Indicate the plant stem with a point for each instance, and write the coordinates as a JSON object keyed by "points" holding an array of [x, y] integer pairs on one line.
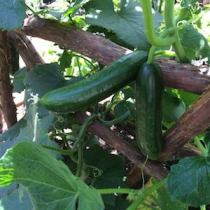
{"points": [[144, 193], [200, 146], [169, 21], [117, 120], [117, 191], [79, 144], [151, 54], [203, 207], [149, 27], [165, 53], [160, 6]]}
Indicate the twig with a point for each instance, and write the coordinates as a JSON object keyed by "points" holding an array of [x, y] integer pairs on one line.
{"points": [[26, 49], [7, 103]]}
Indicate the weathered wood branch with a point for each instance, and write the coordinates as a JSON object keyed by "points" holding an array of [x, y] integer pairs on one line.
{"points": [[7, 102], [193, 122], [186, 77], [110, 137], [25, 49]]}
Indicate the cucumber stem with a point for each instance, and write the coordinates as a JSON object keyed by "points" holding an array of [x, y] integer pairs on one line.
{"points": [[144, 193], [149, 27], [169, 21], [151, 55]]}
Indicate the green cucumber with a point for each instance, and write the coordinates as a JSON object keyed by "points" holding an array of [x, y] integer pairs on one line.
{"points": [[149, 91], [97, 87]]}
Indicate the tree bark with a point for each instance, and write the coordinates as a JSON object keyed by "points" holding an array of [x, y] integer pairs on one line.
{"points": [[7, 102]]}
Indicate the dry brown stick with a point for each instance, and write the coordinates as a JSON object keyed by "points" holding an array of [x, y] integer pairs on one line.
{"points": [[151, 168], [115, 141], [193, 122], [186, 77], [7, 102], [26, 49]]}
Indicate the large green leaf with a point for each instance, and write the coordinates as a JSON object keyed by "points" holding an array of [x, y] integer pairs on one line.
{"points": [[51, 184], [189, 181], [127, 23], [12, 14], [194, 43]]}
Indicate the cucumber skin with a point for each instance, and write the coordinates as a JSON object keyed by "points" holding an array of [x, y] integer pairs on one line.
{"points": [[97, 87], [149, 92]]}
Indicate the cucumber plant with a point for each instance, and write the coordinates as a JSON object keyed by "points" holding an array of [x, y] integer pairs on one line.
{"points": [[84, 117]]}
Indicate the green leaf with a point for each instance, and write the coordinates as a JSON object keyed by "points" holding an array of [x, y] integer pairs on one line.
{"points": [[194, 43], [111, 167], [32, 127], [12, 14], [19, 80], [188, 98], [189, 181], [50, 183], [127, 23], [15, 197], [173, 107], [65, 60], [121, 108], [44, 78]]}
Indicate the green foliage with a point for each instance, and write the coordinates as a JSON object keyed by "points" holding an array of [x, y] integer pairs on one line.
{"points": [[32, 166], [189, 181], [127, 20], [12, 14], [49, 161], [195, 44], [15, 197], [161, 200], [173, 107]]}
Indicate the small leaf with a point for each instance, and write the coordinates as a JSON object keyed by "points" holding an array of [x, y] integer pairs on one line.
{"points": [[121, 108], [194, 43], [49, 181], [65, 60], [189, 181], [173, 107], [12, 14], [188, 98]]}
